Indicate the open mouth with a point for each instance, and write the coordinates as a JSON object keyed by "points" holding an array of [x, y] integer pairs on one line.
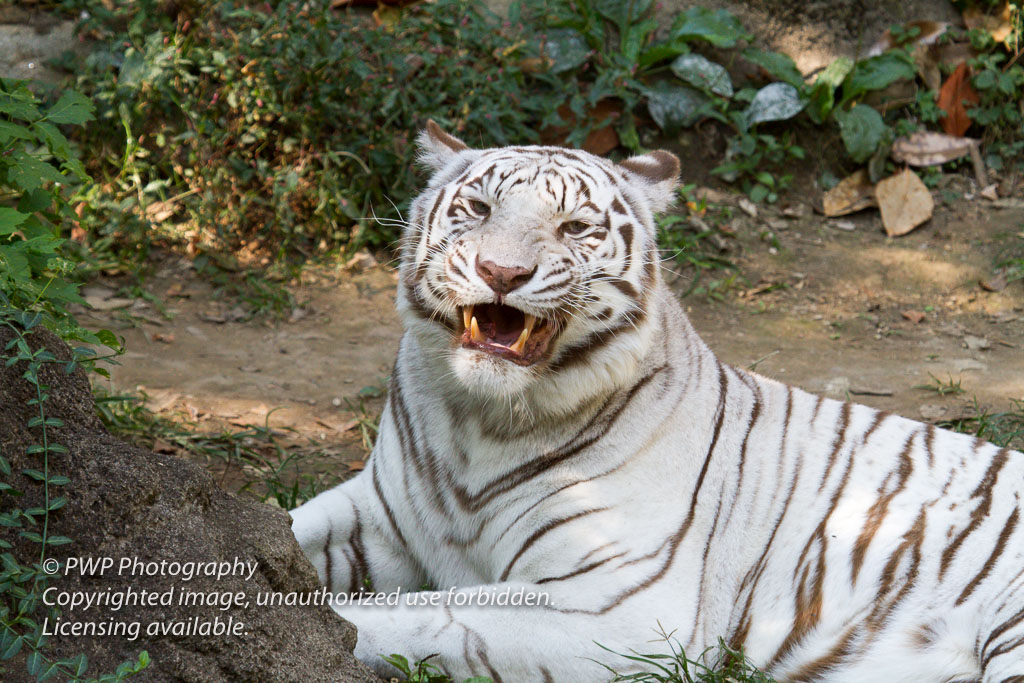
{"points": [[506, 332]]}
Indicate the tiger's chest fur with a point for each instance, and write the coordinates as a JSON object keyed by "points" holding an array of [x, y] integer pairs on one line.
{"points": [[554, 424]]}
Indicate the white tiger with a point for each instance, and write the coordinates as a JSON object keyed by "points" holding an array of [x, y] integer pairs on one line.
{"points": [[555, 425]]}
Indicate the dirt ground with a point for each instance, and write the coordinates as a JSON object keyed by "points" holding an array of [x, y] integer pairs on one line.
{"points": [[812, 304]]}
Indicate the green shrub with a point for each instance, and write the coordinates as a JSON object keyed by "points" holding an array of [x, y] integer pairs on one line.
{"points": [[289, 122], [37, 166]]}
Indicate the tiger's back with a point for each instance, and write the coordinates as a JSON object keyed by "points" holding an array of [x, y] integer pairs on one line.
{"points": [[555, 425]]}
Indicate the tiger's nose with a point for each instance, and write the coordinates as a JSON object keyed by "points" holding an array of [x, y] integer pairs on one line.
{"points": [[503, 279]]}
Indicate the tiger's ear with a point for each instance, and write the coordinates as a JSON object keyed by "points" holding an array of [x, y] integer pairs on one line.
{"points": [[657, 174], [437, 148]]}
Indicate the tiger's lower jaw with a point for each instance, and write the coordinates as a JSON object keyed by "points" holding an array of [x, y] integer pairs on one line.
{"points": [[490, 375]]}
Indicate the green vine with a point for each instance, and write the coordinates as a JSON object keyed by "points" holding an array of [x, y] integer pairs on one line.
{"points": [[37, 165], [21, 586]]}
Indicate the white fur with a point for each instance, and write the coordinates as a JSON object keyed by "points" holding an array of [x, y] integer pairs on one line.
{"points": [[647, 523]]}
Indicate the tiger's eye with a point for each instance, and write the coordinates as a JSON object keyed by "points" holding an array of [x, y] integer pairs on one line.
{"points": [[574, 228], [480, 208]]}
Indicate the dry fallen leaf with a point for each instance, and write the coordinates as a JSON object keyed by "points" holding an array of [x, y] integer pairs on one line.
{"points": [[927, 64], [356, 466], [748, 207], [989, 192], [996, 283], [853, 193], [904, 201], [927, 32], [161, 446], [926, 148], [165, 338], [954, 92], [999, 23], [913, 316]]}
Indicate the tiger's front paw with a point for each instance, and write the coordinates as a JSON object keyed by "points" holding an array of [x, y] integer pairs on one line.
{"points": [[374, 640]]}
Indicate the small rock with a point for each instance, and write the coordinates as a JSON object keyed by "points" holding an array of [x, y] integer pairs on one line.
{"points": [[990, 193], [972, 343], [913, 316], [711, 196], [932, 411], [335, 401], [107, 304], [360, 261], [748, 207], [843, 225], [837, 387], [963, 364], [777, 224], [795, 211], [213, 317]]}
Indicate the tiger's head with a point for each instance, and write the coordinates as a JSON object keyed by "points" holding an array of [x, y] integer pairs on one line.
{"points": [[530, 265]]}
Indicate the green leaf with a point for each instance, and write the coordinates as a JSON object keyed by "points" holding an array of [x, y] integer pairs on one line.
{"points": [[675, 106], [635, 37], [9, 645], [718, 27], [701, 72], [399, 662], [10, 219], [659, 51], [57, 540], [33, 663], [12, 131], [28, 172], [52, 670], [34, 474], [758, 192], [777, 64], [861, 128], [18, 108], [622, 12], [72, 107], [566, 48], [59, 480], [876, 73], [108, 339], [774, 102], [55, 140]]}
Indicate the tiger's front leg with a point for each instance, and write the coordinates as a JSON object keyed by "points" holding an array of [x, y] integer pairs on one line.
{"points": [[557, 638], [345, 534]]}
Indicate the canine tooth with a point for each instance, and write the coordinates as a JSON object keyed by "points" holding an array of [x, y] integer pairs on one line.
{"points": [[474, 330], [521, 342], [531, 320], [467, 316]]}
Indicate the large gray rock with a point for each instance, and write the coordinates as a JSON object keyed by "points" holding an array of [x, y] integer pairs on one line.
{"points": [[125, 502]]}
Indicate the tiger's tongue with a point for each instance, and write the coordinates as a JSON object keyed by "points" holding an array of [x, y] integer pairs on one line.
{"points": [[499, 326], [502, 326]]}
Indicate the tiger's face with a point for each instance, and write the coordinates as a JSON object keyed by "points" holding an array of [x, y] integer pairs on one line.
{"points": [[521, 263]]}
